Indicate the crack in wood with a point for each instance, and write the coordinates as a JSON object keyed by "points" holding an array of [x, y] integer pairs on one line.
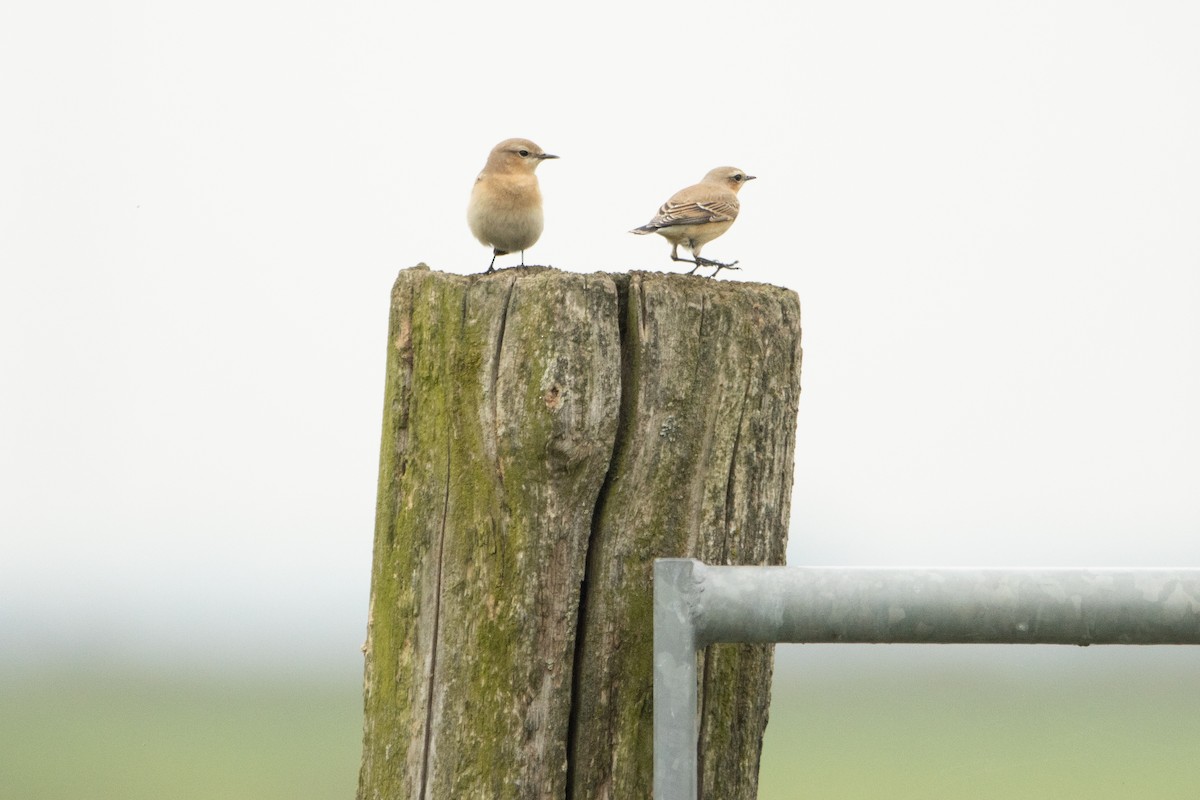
{"points": [[495, 378], [624, 410], [437, 620]]}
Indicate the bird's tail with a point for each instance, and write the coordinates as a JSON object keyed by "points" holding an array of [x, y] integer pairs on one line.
{"points": [[644, 230]]}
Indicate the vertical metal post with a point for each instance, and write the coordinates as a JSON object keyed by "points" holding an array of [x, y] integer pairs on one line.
{"points": [[676, 727]]}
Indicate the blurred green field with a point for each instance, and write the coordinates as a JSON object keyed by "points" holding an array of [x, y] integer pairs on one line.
{"points": [[129, 735], [1030, 723], [878, 724]]}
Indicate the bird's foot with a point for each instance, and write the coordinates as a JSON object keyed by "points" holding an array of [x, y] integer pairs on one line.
{"points": [[720, 265], [692, 271]]}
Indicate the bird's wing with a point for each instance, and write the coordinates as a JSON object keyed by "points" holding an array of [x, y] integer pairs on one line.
{"points": [[691, 207]]}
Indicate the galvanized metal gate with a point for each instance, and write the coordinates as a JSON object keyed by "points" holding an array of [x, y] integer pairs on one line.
{"points": [[696, 605]]}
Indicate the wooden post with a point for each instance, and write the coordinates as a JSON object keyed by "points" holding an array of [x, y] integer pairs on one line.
{"points": [[546, 436]]}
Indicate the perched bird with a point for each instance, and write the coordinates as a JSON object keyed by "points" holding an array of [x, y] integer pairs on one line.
{"points": [[695, 216], [505, 212]]}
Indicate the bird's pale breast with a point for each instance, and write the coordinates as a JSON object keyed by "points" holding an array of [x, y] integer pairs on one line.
{"points": [[506, 211]]}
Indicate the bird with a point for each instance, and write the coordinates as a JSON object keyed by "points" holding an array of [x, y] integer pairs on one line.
{"points": [[505, 212], [695, 216]]}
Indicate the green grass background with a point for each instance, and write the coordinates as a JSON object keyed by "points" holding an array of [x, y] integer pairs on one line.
{"points": [[874, 722], [992, 722], [128, 734]]}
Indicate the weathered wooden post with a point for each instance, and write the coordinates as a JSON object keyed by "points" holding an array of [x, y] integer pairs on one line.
{"points": [[546, 435]]}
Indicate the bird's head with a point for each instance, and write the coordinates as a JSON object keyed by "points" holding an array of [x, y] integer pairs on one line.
{"points": [[729, 177], [516, 155]]}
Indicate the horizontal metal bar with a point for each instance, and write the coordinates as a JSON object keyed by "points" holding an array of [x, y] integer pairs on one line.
{"points": [[696, 605], [946, 606]]}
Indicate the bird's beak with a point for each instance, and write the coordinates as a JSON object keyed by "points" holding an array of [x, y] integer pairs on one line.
{"points": [[545, 155], [751, 177]]}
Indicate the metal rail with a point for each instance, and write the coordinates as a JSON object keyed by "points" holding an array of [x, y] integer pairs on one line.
{"points": [[696, 605]]}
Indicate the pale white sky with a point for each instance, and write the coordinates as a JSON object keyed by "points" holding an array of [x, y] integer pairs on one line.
{"points": [[991, 212]]}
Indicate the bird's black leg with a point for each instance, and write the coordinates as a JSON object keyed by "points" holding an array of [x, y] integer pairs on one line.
{"points": [[675, 257], [492, 266]]}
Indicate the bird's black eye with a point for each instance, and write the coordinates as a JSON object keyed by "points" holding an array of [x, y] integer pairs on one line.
{"points": [[737, 178], [523, 153]]}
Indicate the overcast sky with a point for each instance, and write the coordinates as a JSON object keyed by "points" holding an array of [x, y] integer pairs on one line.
{"points": [[990, 211]]}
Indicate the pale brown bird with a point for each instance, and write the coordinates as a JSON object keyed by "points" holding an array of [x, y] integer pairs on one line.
{"points": [[695, 216], [505, 212]]}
